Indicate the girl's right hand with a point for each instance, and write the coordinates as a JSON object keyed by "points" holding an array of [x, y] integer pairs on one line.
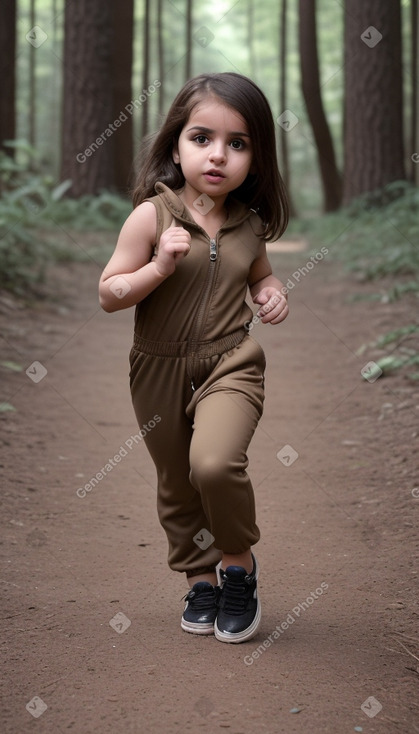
{"points": [[174, 244]]}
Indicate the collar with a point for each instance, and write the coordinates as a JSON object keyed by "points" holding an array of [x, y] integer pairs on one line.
{"points": [[237, 211]]}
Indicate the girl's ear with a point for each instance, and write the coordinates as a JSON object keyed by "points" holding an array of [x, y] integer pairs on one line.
{"points": [[175, 153]]}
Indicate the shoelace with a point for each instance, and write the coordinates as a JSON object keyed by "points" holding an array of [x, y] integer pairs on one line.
{"points": [[235, 595], [202, 600]]}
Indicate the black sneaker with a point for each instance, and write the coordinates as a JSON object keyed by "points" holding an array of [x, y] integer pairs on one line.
{"points": [[200, 609], [239, 613]]}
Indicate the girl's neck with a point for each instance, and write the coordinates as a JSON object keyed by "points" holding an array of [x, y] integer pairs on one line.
{"points": [[195, 201], [209, 213]]}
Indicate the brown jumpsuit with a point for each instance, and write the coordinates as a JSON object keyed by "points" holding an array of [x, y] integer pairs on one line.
{"points": [[194, 365]]}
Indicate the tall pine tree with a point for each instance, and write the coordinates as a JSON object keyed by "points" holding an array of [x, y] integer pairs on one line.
{"points": [[87, 138], [373, 115]]}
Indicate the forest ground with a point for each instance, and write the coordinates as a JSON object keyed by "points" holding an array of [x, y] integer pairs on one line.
{"points": [[91, 612]]}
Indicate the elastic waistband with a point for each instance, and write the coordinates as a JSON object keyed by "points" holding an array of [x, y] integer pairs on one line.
{"points": [[184, 349]]}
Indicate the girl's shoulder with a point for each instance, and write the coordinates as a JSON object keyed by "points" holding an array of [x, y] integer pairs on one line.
{"points": [[256, 224], [143, 219], [165, 204]]}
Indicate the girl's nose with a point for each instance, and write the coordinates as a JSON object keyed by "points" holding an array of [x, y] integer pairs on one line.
{"points": [[217, 153]]}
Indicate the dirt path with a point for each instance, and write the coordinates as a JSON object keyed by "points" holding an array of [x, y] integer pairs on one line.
{"points": [[338, 576]]}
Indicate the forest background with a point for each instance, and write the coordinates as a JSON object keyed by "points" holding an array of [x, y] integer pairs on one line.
{"points": [[341, 77], [83, 83]]}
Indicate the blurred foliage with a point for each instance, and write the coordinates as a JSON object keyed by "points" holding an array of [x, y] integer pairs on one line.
{"points": [[377, 239], [376, 236], [33, 208], [403, 346], [389, 296]]}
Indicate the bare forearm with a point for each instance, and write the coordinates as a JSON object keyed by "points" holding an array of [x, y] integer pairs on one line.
{"points": [[117, 292], [269, 281]]}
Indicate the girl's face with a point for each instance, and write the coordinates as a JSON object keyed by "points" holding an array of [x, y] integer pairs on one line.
{"points": [[214, 149]]}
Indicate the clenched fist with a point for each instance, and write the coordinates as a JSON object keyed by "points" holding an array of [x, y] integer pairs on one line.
{"points": [[174, 244]]}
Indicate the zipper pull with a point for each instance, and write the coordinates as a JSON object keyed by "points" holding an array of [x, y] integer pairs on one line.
{"points": [[213, 250]]}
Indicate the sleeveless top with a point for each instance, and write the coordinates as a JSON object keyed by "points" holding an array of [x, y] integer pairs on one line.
{"points": [[204, 299]]}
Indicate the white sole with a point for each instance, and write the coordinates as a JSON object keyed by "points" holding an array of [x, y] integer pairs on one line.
{"points": [[196, 629], [247, 634]]}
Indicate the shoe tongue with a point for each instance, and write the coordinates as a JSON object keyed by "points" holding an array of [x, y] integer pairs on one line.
{"points": [[236, 572], [202, 586]]}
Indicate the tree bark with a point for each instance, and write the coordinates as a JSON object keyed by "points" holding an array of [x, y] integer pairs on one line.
{"points": [[414, 133], [55, 120], [123, 24], [7, 73], [250, 37], [32, 81], [188, 57], [87, 143], [310, 82], [373, 123], [283, 134], [146, 66], [160, 52]]}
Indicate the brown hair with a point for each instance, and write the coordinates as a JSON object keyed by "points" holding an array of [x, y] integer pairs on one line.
{"points": [[262, 190]]}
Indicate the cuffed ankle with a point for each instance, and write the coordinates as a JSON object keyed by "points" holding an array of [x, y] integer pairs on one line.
{"points": [[200, 571]]}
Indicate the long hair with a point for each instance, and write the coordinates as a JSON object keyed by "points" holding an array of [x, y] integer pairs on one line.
{"points": [[263, 190]]}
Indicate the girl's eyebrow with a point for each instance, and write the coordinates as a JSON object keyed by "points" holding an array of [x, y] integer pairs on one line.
{"points": [[208, 130]]}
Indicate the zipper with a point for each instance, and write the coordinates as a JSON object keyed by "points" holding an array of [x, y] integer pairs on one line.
{"points": [[213, 250], [213, 253]]}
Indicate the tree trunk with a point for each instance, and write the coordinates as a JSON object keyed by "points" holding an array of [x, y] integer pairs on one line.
{"points": [[283, 134], [146, 66], [32, 81], [160, 47], [310, 81], [123, 24], [54, 121], [7, 73], [188, 57], [414, 133], [88, 129], [373, 124], [250, 38]]}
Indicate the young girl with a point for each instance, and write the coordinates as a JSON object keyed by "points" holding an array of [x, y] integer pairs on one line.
{"points": [[208, 196]]}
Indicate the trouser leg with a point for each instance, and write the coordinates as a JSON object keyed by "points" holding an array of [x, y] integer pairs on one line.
{"points": [[224, 425], [226, 410], [159, 387]]}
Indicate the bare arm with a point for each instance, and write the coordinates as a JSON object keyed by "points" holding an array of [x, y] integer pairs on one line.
{"points": [[267, 291], [131, 273]]}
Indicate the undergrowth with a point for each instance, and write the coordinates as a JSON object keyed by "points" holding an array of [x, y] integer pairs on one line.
{"points": [[377, 239], [376, 236], [34, 210]]}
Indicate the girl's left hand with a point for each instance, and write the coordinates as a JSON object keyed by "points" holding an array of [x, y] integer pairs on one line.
{"points": [[274, 305]]}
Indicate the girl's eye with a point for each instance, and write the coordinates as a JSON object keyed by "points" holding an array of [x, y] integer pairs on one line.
{"points": [[200, 139], [237, 144]]}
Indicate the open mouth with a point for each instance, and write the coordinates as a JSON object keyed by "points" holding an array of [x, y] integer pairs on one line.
{"points": [[214, 172], [214, 175]]}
